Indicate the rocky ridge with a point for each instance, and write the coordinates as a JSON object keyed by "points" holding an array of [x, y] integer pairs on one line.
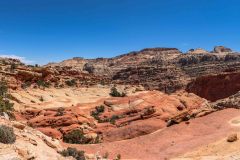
{"points": [[164, 69]]}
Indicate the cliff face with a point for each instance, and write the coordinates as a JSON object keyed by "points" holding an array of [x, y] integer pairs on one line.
{"points": [[214, 87]]}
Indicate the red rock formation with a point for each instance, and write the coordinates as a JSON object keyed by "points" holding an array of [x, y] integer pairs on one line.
{"points": [[121, 118], [215, 87]]}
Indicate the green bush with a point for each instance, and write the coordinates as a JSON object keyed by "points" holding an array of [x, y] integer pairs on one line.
{"points": [[73, 152], [43, 84], [7, 135], [96, 113], [113, 119], [5, 104], [3, 88], [71, 83], [100, 109], [75, 137], [26, 85], [13, 67], [114, 93]]}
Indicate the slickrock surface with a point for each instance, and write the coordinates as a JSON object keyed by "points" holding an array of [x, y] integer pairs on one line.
{"points": [[134, 115], [30, 144], [173, 141]]}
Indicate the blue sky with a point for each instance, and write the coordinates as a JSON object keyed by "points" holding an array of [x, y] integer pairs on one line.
{"points": [[41, 31]]}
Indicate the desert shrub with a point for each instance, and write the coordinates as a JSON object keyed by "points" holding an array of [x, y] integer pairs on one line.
{"points": [[73, 152], [114, 93], [60, 111], [113, 119], [42, 83], [41, 99], [100, 109], [71, 83], [3, 88], [12, 67], [26, 85], [7, 135], [5, 105], [96, 113], [75, 137]]}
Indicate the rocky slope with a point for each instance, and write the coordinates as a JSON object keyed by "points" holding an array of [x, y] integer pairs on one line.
{"points": [[30, 144], [165, 69], [120, 118]]}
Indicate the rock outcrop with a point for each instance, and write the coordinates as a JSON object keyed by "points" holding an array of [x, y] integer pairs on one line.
{"points": [[215, 87], [30, 144], [221, 49], [232, 101], [164, 69]]}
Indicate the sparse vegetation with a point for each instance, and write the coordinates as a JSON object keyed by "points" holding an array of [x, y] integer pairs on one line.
{"points": [[7, 135], [113, 119], [73, 152], [3, 88], [75, 137], [41, 99], [26, 85], [71, 83], [5, 105], [42, 83], [12, 67], [32, 101], [115, 93], [60, 111], [97, 112]]}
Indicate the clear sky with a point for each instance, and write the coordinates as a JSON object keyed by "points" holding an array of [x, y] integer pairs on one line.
{"points": [[52, 30]]}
